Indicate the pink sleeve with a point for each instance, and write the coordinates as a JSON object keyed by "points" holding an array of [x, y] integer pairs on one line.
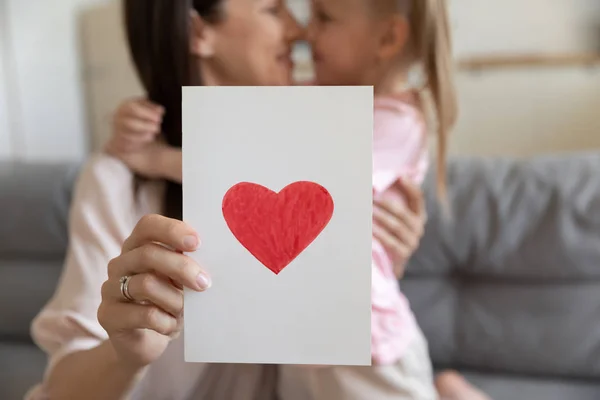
{"points": [[399, 144], [101, 218], [399, 152]]}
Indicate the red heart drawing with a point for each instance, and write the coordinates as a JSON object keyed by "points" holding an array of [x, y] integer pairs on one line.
{"points": [[277, 227]]}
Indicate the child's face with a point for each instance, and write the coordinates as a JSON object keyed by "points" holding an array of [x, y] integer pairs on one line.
{"points": [[344, 38]]}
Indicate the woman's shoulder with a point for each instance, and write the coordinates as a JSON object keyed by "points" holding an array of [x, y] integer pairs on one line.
{"points": [[103, 171], [105, 181]]}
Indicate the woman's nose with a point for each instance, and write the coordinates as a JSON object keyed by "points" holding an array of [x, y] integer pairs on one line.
{"points": [[294, 31], [309, 32]]}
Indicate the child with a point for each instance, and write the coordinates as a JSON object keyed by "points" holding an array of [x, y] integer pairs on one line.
{"points": [[376, 43], [379, 43]]}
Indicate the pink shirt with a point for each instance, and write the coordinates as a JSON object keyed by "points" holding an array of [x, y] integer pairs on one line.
{"points": [[399, 152]]}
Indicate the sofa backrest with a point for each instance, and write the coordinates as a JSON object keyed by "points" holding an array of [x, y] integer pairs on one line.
{"points": [[34, 205], [509, 283], [510, 280]]}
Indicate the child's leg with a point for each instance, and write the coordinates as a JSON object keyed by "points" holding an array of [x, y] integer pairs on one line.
{"points": [[452, 386], [410, 379]]}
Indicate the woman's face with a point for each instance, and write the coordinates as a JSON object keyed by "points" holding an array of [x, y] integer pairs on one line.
{"points": [[251, 45]]}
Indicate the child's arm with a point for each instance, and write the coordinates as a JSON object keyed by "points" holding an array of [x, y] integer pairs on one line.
{"points": [[155, 160], [135, 141], [136, 122]]}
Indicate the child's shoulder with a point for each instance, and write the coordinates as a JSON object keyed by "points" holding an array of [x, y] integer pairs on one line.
{"points": [[400, 147], [399, 114], [404, 104]]}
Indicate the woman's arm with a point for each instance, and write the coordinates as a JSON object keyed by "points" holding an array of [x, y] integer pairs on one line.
{"points": [[81, 361], [97, 342], [399, 222], [95, 374]]}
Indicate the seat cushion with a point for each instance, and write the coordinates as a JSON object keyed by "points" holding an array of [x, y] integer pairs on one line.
{"points": [[21, 367], [509, 279], [25, 286], [506, 387], [34, 206]]}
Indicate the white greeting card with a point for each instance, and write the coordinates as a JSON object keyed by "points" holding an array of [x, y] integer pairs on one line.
{"points": [[277, 181]]}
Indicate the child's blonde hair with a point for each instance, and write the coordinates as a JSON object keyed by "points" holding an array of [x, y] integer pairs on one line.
{"points": [[430, 46]]}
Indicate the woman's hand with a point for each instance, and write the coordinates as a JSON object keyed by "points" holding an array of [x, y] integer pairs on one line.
{"points": [[140, 330], [399, 225]]}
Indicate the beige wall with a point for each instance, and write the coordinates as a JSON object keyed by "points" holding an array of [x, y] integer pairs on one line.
{"points": [[80, 49], [527, 111], [41, 80], [110, 76], [524, 112], [514, 112], [6, 146]]}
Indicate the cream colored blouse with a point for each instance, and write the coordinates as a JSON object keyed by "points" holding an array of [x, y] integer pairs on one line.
{"points": [[104, 212]]}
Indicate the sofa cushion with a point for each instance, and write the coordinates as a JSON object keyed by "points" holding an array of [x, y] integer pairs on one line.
{"points": [[34, 205], [511, 387], [21, 367], [510, 280], [25, 287]]}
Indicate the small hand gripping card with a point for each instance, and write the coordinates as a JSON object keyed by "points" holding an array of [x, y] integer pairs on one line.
{"points": [[277, 181]]}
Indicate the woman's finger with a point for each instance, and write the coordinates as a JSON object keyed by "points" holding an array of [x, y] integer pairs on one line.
{"points": [[395, 206], [147, 288], [400, 229], [399, 210], [416, 223], [156, 228], [389, 221], [396, 210], [119, 317], [400, 252], [156, 259], [413, 195]]}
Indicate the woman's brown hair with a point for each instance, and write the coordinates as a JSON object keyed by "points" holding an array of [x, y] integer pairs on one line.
{"points": [[158, 33]]}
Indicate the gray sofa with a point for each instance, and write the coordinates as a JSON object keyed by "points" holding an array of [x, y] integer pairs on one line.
{"points": [[34, 204], [507, 289]]}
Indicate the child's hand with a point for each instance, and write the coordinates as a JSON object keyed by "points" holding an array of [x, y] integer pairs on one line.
{"points": [[136, 123], [399, 225], [155, 160], [135, 141]]}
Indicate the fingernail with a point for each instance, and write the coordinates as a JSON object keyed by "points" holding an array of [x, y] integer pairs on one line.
{"points": [[190, 242], [204, 281]]}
